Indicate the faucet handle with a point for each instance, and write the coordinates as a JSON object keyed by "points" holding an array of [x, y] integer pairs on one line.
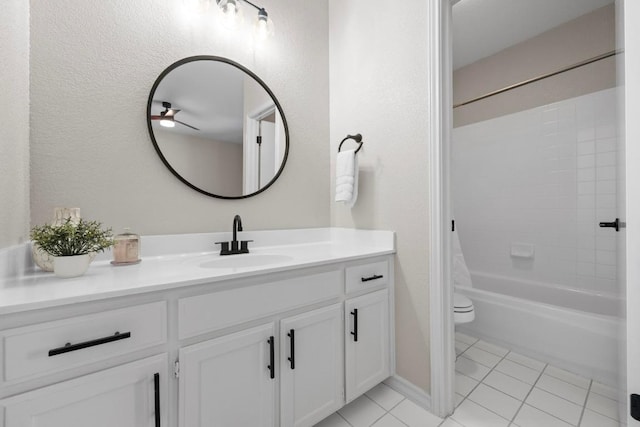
{"points": [[244, 247], [224, 248]]}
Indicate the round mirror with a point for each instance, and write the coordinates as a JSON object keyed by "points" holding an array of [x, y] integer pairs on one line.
{"points": [[217, 127]]}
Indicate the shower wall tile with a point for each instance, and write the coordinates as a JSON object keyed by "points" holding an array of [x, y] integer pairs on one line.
{"points": [[588, 187], [588, 174], [606, 172], [606, 201], [606, 130], [606, 159], [584, 255], [604, 145], [606, 187], [586, 133], [586, 269], [606, 257], [586, 161], [544, 177], [586, 147]]}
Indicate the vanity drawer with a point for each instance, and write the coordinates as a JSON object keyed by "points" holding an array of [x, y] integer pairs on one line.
{"points": [[205, 313], [55, 346], [366, 276]]}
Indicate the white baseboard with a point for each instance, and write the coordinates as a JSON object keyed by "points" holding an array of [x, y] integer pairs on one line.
{"points": [[410, 391]]}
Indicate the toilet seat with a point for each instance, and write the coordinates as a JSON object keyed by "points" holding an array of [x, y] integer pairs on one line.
{"points": [[463, 310], [461, 303]]}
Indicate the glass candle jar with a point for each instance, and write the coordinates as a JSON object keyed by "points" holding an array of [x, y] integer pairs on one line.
{"points": [[126, 248]]}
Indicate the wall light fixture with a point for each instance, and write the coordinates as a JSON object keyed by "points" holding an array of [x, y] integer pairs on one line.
{"points": [[263, 26]]}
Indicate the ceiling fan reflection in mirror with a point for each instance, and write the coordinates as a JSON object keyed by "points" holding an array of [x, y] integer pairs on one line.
{"points": [[167, 117]]}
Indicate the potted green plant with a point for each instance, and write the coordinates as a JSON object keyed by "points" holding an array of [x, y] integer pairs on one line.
{"points": [[71, 243]]}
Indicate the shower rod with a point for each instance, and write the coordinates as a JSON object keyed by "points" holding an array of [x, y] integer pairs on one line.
{"points": [[541, 77]]}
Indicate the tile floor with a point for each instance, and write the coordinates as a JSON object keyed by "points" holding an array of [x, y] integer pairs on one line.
{"points": [[495, 387]]}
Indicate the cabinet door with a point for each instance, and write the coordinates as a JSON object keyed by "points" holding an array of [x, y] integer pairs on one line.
{"points": [[229, 381], [131, 395], [366, 342], [311, 366]]}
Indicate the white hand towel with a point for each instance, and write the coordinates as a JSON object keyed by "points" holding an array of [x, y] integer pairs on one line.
{"points": [[347, 177]]}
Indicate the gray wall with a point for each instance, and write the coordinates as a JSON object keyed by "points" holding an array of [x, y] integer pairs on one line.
{"points": [[93, 65], [14, 122]]}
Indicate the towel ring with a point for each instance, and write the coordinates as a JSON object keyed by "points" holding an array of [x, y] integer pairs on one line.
{"points": [[357, 138]]}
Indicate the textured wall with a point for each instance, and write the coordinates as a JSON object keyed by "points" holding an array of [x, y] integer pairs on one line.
{"points": [[543, 177], [93, 64], [580, 39], [14, 122], [378, 74]]}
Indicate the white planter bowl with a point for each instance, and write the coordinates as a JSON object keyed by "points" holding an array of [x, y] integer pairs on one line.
{"points": [[41, 258], [45, 261], [71, 266]]}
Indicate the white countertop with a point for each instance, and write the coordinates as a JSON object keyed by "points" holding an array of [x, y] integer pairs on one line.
{"points": [[175, 261]]}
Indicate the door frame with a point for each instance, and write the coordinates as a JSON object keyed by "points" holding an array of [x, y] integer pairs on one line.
{"points": [[440, 121], [250, 151], [440, 118], [632, 175]]}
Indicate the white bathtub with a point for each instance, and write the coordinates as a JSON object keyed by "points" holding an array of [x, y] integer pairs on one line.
{"points": [[571, 329]]}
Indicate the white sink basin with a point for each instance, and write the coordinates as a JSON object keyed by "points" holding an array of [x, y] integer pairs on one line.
{"points": [[245, 261]]}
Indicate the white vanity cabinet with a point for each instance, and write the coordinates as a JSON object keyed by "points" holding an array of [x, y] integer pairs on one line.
{"points": [[258, 348], [232, 380], [46, 348], [311, 366], [367, 339], [291, 371], [130, 395], [229, 381]]}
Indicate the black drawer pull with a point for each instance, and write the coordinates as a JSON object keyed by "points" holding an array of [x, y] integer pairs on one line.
{"points": [[354, 313], [156, 390], [73, 347], [374, 277], [292, 341], [272, 369]]}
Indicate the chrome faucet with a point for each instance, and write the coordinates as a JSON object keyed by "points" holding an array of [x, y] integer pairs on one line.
{"points": [[235, 250]]}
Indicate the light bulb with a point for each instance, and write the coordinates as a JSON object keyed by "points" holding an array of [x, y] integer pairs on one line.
{"points": [[263, 26], [230, 7], [231, 13], [168, 123]]}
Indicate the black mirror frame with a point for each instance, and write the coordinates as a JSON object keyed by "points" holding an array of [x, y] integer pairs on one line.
{"points": [[257, 79]]}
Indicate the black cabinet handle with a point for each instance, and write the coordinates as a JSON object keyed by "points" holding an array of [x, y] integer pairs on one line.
{"points": [[73, 347], [292, 341], [634, 406], [156, 388], [272, 369], [354, 313], [374, 277]]}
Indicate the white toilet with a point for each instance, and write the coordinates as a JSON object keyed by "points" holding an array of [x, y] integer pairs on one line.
{"points": [[463, 311]]}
